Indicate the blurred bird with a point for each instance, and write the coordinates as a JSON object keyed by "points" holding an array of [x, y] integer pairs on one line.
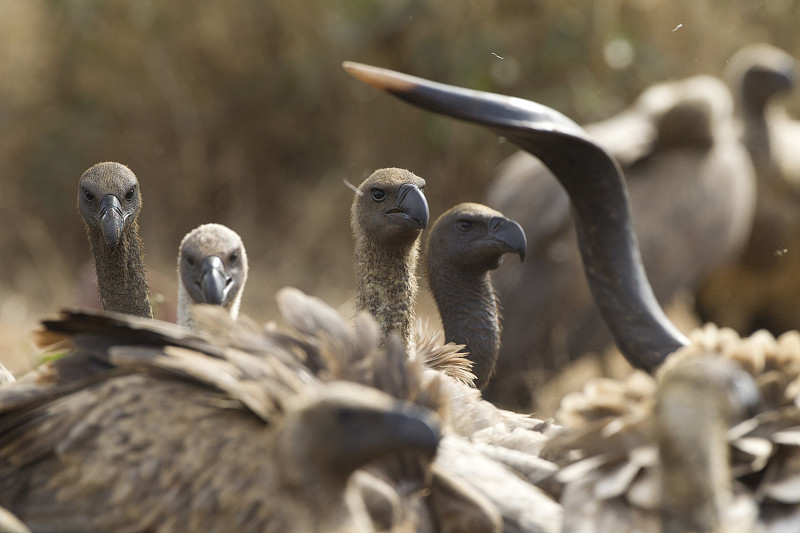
{"points": [[212, 269], [235, 426], [605, 424], [692, 190], [767, 288]]}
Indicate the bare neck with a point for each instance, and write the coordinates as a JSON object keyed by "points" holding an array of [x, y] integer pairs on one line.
{"points": [[695, 477], [386, 285], [121, 277], [470, 315]]}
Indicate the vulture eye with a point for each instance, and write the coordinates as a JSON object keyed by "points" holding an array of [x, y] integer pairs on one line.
{"points": [[129, 194], [378, 195], [234, 256], [190, 260], [346, 416], [89, 196], [464, 225]]}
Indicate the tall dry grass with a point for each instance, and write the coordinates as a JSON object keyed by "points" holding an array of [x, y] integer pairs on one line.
{"points": [[238, 112]]}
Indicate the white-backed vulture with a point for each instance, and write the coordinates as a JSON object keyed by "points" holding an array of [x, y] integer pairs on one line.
{"points": [[767, 444], [464, 244], [153, 427], [767, 291], [212, 269], [388, 213], [109, 201]]}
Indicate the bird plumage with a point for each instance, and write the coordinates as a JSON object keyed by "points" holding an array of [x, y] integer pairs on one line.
{"points": [[109, 201], [387, 216], [768, 291], [464, 244], [229, 430], [609, 423], [692, 191]]}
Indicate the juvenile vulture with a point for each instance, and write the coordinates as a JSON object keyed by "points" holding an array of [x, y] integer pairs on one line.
{"points": [[464, 244], [765, 451], [767, 291], [692, 191], [212, 269], [109, 201], [387, 216], [154, 427]]}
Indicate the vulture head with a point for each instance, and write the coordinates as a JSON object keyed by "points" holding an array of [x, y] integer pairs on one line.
{"points": [[109, 201], [212, 266], [390, 207], [475, 237]]}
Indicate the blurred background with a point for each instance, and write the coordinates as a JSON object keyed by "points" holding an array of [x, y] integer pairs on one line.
{"points": [[238, 112]]}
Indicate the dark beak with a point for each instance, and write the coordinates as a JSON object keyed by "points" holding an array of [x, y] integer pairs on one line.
{"points": [[510, 235], [593, 181], [112, 221], [412, 429], [215, 283], [411, 203]]}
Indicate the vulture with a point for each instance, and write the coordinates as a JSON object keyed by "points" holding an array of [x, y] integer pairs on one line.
{"points": [[656, 455], [767, 288], [310, 427], [387, 216], [148, 426], [109, 201], [489, 458], [463, 245], [609, 437], [212, 269], [692, 190]]}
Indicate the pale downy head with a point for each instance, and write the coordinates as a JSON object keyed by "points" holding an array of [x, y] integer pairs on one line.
{"points": [[212, 269]]}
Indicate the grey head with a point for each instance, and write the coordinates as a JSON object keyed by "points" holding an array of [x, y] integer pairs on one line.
{"points": [[346, 425], [465, 243], [109, 202], [390, 207], [474, 237], [212, 269], [759, 72]]}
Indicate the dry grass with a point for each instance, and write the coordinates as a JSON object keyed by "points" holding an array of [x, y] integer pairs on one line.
{"points": [[238, 112]]}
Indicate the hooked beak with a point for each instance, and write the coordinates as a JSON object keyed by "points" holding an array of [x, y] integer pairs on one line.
{"points": [[509, 234], [215, 283], [412, 206], [414, 429], [593, 181], [112, 221]]}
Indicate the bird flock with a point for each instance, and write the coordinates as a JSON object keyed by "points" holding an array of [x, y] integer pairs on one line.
{"points": [[380, 421]]}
